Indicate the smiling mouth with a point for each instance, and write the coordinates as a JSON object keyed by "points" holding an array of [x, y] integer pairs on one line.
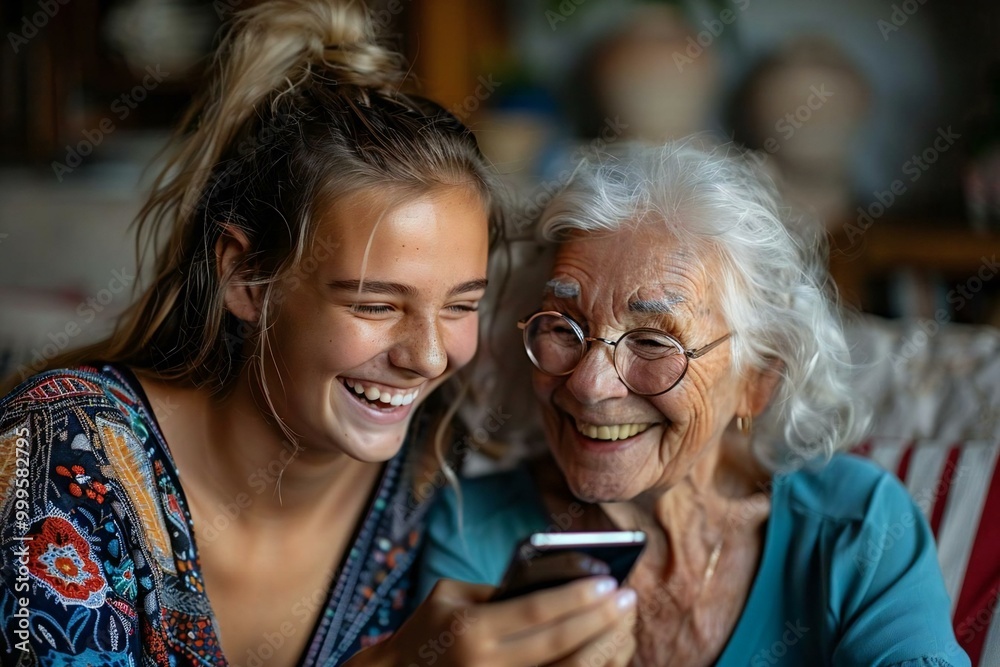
{"points": [[610, 432], [380, 398]]}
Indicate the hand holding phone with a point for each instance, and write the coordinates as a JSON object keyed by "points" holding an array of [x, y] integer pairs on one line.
{"points": [[544, 560]]}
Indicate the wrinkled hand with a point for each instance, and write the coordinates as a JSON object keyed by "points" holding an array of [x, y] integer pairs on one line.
{"points": [[586, 622]]}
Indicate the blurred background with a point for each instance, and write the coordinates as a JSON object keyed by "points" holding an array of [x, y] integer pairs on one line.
{"points": [[879, 117]]}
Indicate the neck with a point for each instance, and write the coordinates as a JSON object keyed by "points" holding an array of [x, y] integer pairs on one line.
{"points": [[723, 494], [232, 453]]}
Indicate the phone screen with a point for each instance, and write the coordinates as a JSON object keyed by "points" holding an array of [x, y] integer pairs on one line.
{"points": [[544, 560]]}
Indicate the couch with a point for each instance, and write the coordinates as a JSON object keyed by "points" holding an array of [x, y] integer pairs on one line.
{"points": [[936, 394]]}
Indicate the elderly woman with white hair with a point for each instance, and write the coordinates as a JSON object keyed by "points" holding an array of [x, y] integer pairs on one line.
{"points": [[695, 383]]}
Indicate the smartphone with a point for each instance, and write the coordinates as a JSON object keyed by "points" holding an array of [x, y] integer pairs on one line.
{"points": [[544, 560]]}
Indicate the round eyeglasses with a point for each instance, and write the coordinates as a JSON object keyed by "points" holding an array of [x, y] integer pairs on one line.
{"points": [[648, 361]]}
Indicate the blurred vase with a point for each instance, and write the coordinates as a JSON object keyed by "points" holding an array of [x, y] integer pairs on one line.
{"points": [[173, 34], [803, 107], [655, 77]]}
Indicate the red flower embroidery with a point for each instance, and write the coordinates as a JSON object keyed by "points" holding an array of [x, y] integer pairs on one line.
{"points": [[60, 557], [94, 490]]}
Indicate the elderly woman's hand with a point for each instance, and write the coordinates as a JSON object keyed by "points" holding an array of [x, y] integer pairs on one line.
{"points": [[586, 622]]}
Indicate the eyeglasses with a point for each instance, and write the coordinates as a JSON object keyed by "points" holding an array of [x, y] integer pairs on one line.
{"points": [[648, 361]]}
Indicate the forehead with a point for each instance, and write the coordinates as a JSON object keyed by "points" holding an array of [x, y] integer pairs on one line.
{"points": [[646, 269]]}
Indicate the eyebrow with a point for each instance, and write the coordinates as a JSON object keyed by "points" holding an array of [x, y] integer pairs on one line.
{"points": [[400, 289], [663, 306], [562, 289]]}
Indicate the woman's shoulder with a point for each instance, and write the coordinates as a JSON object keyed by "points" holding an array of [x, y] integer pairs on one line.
{"points": [[501, 500], [848, 488], [472, 530], [64, 388]]}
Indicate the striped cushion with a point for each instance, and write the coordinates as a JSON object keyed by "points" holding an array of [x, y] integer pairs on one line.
{"points": [[957, 486]]}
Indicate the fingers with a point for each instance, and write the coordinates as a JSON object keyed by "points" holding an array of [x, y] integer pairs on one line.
{"points": [[560, 639], [548, 571], [614, 648], [589, 619], [536, 610]]}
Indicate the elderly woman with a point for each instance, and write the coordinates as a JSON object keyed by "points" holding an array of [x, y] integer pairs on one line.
{"points": [[695, 384]]}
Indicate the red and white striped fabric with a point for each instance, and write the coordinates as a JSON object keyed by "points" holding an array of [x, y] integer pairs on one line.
{"points": [[957, 486]]}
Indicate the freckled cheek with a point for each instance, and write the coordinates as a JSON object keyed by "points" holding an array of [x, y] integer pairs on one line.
{"points": [[340, 347]]}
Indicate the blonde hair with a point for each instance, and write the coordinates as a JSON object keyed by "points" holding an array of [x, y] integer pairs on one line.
{"points": [[302, 109]]}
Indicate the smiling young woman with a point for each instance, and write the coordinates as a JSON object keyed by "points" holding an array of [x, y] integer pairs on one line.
{"points": [[229, 478]]}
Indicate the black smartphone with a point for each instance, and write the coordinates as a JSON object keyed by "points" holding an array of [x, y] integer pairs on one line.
{"points": [[544, 560]]}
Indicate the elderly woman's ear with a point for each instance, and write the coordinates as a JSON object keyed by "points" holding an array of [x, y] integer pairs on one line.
{"points": [[761, 384]]}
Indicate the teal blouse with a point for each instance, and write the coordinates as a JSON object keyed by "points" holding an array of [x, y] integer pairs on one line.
{"points": [[849, 573]]}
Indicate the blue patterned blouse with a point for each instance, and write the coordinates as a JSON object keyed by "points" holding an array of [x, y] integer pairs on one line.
{"points": [[97, 552]]}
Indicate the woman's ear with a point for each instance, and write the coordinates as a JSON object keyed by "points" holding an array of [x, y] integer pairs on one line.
{"points": [[242, 300], [760, 387]]}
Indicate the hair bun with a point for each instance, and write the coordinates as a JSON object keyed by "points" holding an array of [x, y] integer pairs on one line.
{"points": [[286, 42]]}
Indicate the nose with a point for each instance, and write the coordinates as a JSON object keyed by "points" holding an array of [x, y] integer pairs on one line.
{"points": [[595, 378], [420, 348]]}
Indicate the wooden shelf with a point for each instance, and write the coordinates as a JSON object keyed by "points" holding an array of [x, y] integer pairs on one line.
{"points": [[889, 245]]}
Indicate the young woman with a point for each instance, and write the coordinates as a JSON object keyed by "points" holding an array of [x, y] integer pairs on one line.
{"points": [[229, 478]]}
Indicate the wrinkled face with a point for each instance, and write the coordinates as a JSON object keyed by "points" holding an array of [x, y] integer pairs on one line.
{"points": [[381, 312], [610, 285]]}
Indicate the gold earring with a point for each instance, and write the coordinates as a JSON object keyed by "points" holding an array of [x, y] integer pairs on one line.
{"points": [[744, 424]]}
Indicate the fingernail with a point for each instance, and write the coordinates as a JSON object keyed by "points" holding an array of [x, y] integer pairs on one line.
{"points": [[605, 585], [626, 598]]}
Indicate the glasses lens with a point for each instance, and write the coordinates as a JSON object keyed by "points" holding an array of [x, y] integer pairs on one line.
{"points": [[553, 343], [649, 362]]}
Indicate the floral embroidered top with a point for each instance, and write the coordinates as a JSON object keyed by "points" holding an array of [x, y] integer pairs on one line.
{"points": [[98, 553]]}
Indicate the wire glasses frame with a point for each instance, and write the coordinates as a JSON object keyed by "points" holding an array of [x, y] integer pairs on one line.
{"points": [[637, 348]]}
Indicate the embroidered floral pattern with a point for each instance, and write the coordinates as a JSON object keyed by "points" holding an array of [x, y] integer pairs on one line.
{"points": [[60, 557], [113, 565]]}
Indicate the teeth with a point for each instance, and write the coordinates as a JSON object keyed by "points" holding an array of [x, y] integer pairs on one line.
{"points": [[382, 396], [611, 432]]}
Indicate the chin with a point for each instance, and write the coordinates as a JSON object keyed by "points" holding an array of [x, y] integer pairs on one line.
{"points": [[378, 449], [599, 487]]}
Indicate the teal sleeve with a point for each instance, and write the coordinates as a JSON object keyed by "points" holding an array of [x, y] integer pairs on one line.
{"points": [[497, 511], [446, 554], [893, 606]]}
